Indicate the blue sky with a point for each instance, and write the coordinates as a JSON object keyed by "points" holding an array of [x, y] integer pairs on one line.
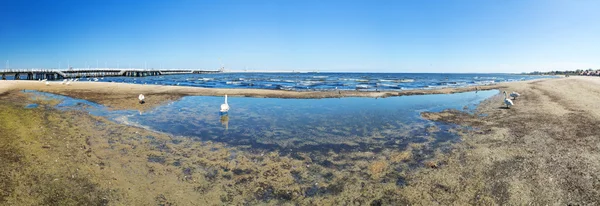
{"points": [[370, 36]]}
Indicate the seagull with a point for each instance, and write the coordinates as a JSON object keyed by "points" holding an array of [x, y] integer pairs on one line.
{"points": [[507, 101], [225, 107], [141, 98], [514, 95]]}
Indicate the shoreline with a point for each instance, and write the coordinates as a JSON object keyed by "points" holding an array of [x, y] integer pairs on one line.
{"points": [[124, 95]]}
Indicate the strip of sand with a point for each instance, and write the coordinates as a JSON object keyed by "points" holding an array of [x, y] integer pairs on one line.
{"points": [[124, 96]]}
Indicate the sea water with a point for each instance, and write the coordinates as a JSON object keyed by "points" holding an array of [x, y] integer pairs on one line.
{"points": [[326, 81]]}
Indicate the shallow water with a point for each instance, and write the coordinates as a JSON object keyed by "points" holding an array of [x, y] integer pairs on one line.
{"points": [[325, 81], [286, 125], [66, 103]]}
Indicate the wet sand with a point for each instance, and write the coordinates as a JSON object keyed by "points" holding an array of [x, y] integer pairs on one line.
{"points": [[124, 96], [544, 150]]}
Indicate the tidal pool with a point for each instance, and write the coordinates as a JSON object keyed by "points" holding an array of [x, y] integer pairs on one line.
{"points": [[293, 125]]}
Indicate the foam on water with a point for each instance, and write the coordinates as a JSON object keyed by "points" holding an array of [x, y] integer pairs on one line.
{"points": [[327, 81]]}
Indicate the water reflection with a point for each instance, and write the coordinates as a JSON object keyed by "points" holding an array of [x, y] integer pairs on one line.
{"points": [[225, 120]]}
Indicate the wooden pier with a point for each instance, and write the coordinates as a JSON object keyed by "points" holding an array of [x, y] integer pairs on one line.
{"points": [[49, 74]]}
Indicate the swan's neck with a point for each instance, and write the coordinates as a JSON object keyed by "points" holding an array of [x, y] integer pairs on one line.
{"points": [[225, 99]]}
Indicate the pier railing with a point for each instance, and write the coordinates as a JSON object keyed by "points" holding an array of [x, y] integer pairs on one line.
{"points": [[52, 74]]}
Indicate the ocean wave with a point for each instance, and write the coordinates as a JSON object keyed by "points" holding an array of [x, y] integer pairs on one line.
{"points": [[386, 85], [485, 82], [319, 77], [405, 80]]}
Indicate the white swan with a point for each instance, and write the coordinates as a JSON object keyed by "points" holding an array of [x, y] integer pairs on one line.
{"points": [[225, 107], [514, 95], [507, 101], [141, 98]]}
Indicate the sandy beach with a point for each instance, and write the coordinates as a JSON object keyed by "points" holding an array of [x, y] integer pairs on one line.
{"points": [[544, 150]]}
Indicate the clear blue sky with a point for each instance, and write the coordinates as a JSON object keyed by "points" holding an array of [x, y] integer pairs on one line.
{"points": [[345, 35]]}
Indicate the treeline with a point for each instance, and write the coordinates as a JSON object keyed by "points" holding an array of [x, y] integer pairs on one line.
{"points": [[588, 72]]}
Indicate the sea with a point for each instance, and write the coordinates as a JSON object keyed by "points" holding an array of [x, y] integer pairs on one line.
{"points": [[326, 81]]}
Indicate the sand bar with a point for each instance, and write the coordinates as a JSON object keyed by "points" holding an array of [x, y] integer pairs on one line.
{"points": [[124, 96]]}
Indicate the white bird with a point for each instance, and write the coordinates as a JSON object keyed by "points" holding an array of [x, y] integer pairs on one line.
{"points": [[225, 107], [141, 98], [63, 82], [47, 83], [68, 83], [514, 95], [507, 101]]}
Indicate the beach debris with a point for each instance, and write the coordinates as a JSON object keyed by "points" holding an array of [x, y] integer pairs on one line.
{"points": [[431, 164], [514, 95], [141, 98], [507, 101]]}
